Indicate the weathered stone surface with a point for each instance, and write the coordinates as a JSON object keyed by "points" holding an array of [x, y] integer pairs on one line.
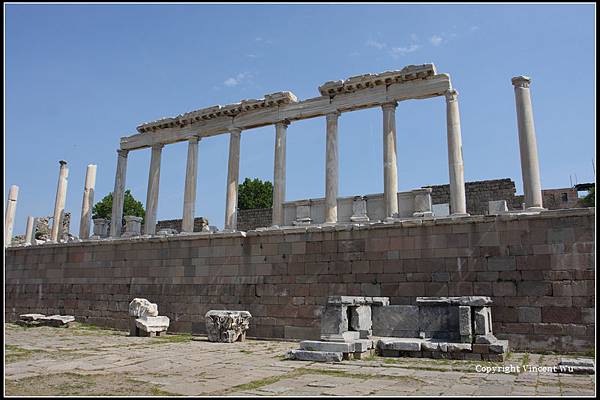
{"points": [[456, 300], [499, 347], [575, 366], [337, 347], [142, 308], [360, 318], [348, 336], [334, 319], [401, 344], [152, 324], [459, 347], [362, 345], [227, 326], [318, 356], [485, 339], [42, 320], [483, 320], [395, 320], [31, 317]]}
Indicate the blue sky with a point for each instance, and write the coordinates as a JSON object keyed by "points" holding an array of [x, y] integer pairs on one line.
{"points": [[79, 77]]}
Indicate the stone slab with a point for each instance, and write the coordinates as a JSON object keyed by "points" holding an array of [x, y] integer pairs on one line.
{"points": [[152, 324], [318, 356], [400, 344], [336, 347]]}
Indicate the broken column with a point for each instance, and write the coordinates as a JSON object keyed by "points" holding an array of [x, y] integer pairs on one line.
{"points": [[9, 218], [530, 168], [146, 321], [59, 204], [88, 202], [153, 187], [189, 197], [227, 326], [233, 173], [29, 234]]}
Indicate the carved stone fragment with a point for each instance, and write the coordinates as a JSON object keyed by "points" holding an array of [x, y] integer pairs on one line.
{"points": [[227, 326]]}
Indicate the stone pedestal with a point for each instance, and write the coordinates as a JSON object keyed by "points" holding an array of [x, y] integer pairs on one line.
{"points": [[133, 226], [359, 210], [101, 227], [302, 214], [422, 205], [227, 326]]}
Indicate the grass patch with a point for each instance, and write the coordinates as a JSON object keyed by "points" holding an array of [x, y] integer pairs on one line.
{"points": [[525, 359], [16, 353], [178, 338]]}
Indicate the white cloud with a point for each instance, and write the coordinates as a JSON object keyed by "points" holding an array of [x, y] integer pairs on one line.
{"points": [[376, 44], [436, 40], [401, 51], [234, 81]]}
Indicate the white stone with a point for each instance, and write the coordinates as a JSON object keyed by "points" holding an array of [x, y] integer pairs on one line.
{"points": [[497, 207], [87, 202], [402, 344], [59, 204], [233, 172], [458, 203], [315, 345], [390, 166], [359, 210], [152, 324], [139, 307], [441, 210]]}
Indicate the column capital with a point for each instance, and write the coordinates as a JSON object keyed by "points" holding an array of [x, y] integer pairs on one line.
{"points": [[521, 81], [235, 131], [451, 95], [194, 139], [158, 146], [333, 114], [284, 123], [389, 106], [122, 153]]}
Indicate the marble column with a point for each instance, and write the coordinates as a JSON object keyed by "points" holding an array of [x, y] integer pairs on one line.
{"points": [[530, 168], [390, 166], [279, 173], [9, 217], [152, 194], [59, 204], [456, 169], [29, 231], [88, 202], [189, 197], [331, 168], [119, 194], [233, 172]]}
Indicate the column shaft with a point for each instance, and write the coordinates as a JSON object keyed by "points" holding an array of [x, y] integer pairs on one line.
{"points": [[233, 172], [153, 187], [390, 166], [59, 204], [530, 168], [9, 217], [189, 197], [88, 202], [458, 202], [331, 168], [119, 194], [29, 231], [279, 173]]}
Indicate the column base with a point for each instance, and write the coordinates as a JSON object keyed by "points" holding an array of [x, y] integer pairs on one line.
{"points": [[535, 209], [460, 215]]}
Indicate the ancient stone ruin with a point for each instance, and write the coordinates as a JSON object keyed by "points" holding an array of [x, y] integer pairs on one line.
{"points": [[145, 319], [57, 321], [227, 326], [436, 327]]}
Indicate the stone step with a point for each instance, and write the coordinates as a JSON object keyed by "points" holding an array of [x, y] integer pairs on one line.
{"points": [[336, 347], [401, 344], [319, 356]]}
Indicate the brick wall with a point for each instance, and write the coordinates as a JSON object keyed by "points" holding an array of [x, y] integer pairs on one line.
{"points": [[478, 194], [539, 270], [255, 218], [199, 222]]}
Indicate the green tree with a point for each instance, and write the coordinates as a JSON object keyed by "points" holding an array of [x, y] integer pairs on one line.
{"points": [[131, 206], [590, 199], [255, 194]]}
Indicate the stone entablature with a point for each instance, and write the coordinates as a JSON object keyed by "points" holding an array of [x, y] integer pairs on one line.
{"points": [[229, 110], [358, 82]]}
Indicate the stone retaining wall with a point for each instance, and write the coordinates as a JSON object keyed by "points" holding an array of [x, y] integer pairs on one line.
{"points": [[538, 269], [254, 218]]}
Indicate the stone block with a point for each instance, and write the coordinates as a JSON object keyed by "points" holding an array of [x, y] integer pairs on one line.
{"points": [[400, 344], [318, 356], [499, 347], [483, 320], [481, 348], [152, 324], [360, 318], [530, 314], [389, 319], [464, 320], [366, 334], [338, 347], [362, 345], [227, 326], [459, 347], [334, 319]]}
